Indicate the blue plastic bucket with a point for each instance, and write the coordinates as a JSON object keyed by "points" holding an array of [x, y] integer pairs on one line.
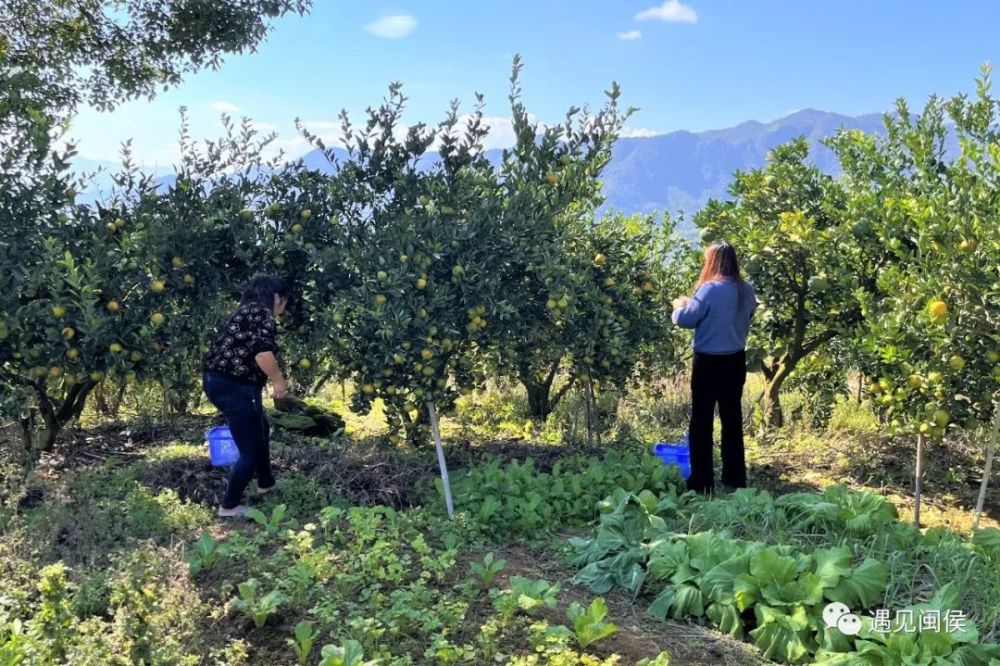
{"points": [[221, 447], [674, 454]]}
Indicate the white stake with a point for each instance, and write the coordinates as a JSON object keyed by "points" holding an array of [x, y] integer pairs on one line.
{"points": [[989, 465], [441, 462], [918, 483]]}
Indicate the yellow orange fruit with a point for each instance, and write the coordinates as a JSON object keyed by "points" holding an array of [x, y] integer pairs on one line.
{"points": [[938, 310]]}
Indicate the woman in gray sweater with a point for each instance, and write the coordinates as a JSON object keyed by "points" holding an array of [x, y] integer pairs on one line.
{"points": [[719, 312]]}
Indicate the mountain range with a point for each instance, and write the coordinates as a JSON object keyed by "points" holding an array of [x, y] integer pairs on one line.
{"points": [[675, 172]]}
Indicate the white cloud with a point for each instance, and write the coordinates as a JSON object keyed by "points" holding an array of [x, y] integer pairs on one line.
{"points": [[630, 36], [393, 27], [638, 133], [671, 11], [225, 107]]}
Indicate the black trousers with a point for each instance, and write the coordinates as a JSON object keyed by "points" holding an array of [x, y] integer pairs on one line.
{"points": [[717, 380], [243, 408]]}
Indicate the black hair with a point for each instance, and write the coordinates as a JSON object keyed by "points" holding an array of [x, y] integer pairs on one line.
{"points": [[263, 288]]}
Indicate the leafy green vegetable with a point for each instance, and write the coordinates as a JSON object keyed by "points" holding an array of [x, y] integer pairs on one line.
{"points": [[783, 634], [864, 587], [534, 594], [488, 570], [589, 625]]}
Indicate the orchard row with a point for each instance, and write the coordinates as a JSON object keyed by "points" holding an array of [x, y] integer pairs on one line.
{"points": [[420, 280]]}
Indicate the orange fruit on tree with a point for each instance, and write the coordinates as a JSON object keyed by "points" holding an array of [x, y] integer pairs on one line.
{"points": [[938, 310]]}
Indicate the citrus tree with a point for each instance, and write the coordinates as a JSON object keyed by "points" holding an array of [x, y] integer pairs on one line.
{"points": [[198, 237], [66, 270], [930, 338], [615, 325], [557, 274], [74, 312], [415, 291], [806, 257]]}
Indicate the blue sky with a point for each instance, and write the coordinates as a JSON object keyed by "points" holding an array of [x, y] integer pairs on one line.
{"points": [[695, 65]]}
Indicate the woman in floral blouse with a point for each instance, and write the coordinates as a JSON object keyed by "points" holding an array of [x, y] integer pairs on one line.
{"points": [[241, 360]]}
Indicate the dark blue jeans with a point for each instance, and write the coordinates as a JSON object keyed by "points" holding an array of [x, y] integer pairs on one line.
{"points": [[242, 406]]}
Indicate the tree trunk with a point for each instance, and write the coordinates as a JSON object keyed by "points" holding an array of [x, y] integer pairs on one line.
{"points": [[774, 417], [70, 409], [413, 428], [539, 407], [541, 402], [918, 481]]}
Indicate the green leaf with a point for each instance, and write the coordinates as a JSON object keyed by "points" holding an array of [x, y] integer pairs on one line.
{"points": [[807, 589], [746, 591], [588, 625], [258, 517], [727, 619], [662, 659], [670, 559], [834, 640], [688, 602], [663, 603], [596, 577], [833, 564], [718, 583], [781, 635], [987, 538], [771, 568], [706, 549], [864, 588], [678, 602]]}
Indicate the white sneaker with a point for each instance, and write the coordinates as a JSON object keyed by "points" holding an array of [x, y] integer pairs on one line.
{"points": [[264, 491], [236, 512]]}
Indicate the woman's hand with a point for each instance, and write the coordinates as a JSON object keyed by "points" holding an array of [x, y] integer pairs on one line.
{"points": [[680, 302], [280, 388]]}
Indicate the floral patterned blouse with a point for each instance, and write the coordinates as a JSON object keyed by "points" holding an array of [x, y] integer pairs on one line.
{"points": [[249, 331]]}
